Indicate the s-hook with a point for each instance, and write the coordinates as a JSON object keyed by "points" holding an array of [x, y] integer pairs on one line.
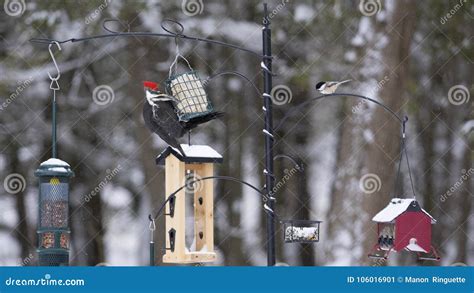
{"points": [[54, 80], [55, 87]]}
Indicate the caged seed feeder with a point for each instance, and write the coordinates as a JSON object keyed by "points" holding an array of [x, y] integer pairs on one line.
{"points": [[53, 227], [53, 216], [191, 100]]}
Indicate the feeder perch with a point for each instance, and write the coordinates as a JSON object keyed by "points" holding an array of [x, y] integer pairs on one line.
{"points": [[197, 162], [404, 225], [53, 220], [301, 231]]}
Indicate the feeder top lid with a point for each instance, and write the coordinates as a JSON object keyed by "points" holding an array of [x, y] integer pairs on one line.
{"points": [[54, 167], [55, 162], [398, 206], [192, 154]]}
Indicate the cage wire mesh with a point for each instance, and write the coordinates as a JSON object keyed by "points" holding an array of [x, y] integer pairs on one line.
{"points": [[191, 98], [53, 230], [54, 202]]}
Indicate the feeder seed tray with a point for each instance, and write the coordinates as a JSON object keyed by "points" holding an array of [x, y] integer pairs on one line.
{"points": [[301, 231]]}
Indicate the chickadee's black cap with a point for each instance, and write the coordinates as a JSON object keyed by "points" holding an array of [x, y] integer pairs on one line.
{"points": [[319, 85]]}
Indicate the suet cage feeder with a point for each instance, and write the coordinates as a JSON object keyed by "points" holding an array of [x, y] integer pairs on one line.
{"points": [[301, 231], [191, 98], [404, 225], [197, 162], [53, 217]]}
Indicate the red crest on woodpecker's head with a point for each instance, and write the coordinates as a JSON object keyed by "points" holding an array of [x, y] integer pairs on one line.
{"points": [[151, 85]]}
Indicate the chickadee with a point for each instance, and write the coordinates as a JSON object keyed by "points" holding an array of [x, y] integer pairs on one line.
{"points": [[329, 87]]}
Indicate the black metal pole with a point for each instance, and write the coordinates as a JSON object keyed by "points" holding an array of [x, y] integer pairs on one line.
{"points": [[268, 132], [54, 126]]}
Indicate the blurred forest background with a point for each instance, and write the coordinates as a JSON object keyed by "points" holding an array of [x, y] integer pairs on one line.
{"points": [[414, 56]]}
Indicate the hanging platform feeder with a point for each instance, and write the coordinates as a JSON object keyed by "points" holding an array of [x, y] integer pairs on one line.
{"points": [[404, 225], [301, 231]]}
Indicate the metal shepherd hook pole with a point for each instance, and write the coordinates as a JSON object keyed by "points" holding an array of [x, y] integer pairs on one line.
{"points": [[266, 66]]}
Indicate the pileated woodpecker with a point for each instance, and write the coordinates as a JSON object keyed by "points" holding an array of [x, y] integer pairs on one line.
{"points": [[160, 116]]}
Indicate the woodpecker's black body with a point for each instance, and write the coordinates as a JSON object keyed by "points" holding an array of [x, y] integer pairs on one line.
{"points": [[164, 122], [160, 117]]}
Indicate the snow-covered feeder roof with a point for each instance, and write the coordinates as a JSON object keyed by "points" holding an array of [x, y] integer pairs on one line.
{"points": [[398, 206], [54, 167], [192, 154]]}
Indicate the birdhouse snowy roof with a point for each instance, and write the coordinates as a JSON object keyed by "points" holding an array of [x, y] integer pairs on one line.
{"points": [[398, 206], [192, 154]]}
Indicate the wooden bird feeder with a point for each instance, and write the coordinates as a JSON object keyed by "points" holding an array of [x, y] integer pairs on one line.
{"points": [[404, 225], [198, 162]]}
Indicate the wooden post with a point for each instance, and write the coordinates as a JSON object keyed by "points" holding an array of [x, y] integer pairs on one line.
{"points": [[203, 210], [174, 176]]}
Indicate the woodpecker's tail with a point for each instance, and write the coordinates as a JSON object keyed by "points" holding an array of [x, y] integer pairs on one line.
{"points": [[194, 122]]}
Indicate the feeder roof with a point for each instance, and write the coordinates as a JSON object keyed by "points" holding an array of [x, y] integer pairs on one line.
{"points": [[192, 154], [396, 207], [54, 167]]}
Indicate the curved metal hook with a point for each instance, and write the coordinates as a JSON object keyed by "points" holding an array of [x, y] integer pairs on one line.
{"points": [[104, 25], [54, 60], [339, 95], [180, 32], [228, 178], [298, 166], [209, 78]]}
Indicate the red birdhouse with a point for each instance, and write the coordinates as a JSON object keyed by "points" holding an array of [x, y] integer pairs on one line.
{"points": [[404, 225]]}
